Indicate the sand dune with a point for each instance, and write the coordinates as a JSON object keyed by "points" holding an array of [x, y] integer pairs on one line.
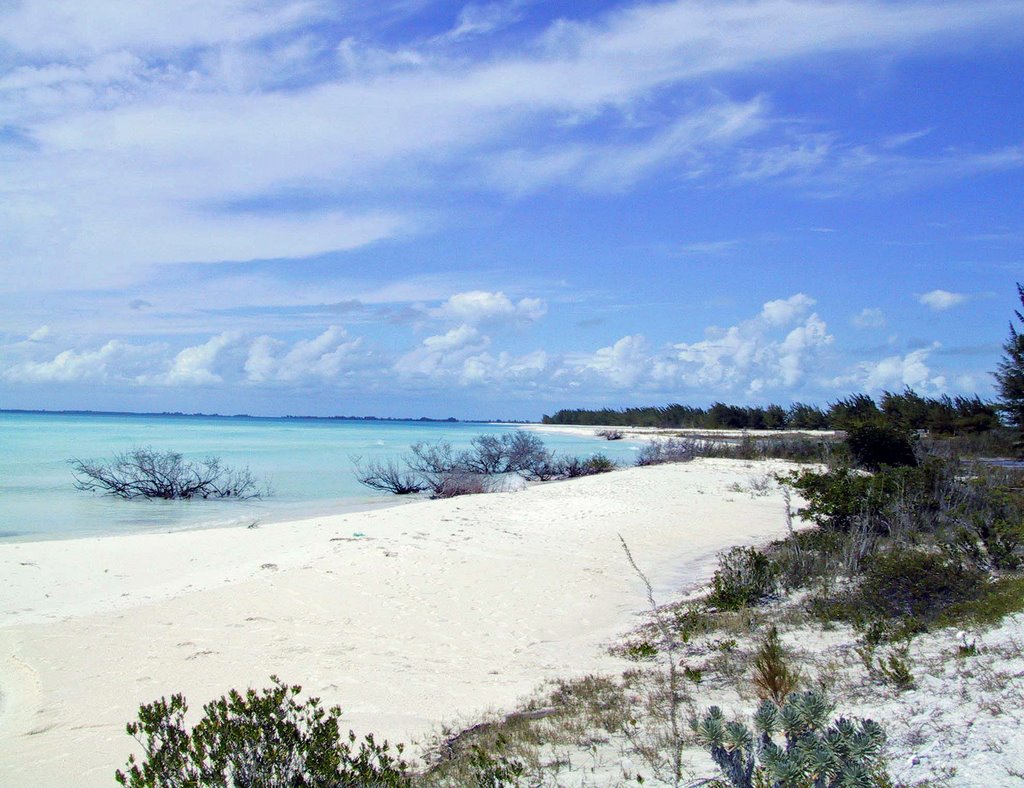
{"points": [[406, 616]]}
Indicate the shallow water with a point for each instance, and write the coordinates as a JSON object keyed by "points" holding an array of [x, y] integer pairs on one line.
{"points": [[307, 462]]}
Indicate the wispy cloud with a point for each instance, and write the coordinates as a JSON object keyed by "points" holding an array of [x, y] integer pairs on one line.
{"points": [[145, 123]]}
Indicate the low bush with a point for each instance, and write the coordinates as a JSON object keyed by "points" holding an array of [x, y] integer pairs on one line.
{"points": [[744, 577], [873, 445], [574, 467], [997, 600], [916, 584], [262, 738], [669, 450]]}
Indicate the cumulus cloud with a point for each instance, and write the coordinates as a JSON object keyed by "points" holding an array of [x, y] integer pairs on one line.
{"points": [[503, 368], [754, 355], [442, 354], [941, 300], [479, 306], [195, 365], [325, 356], [115, 361], [897, 372], [621, 364], [869, 317]]}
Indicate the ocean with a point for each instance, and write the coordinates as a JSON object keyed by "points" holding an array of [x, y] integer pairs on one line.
{"points": [[308, 464]]}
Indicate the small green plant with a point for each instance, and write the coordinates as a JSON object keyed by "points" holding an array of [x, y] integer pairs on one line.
{"points": [[812, 752], [894, 667], [638, 652], [774, 678], [494, 769], [262, 738], [744, 577], [696, 675]]}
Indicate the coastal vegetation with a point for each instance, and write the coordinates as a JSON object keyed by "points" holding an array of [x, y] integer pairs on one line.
{"points": [[902, 538], [445, 472], [260, 739], [1010, 377], [938, 415], [148, 473]]}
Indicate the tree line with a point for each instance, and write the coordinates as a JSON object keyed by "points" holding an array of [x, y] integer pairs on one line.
{"points": [[943, 415]]}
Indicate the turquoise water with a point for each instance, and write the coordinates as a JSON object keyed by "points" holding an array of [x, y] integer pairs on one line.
{"points": [[307, 462]]}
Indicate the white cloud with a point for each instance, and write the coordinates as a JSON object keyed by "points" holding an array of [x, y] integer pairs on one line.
{"points": [[503, 368], [115, 361], [752, 355], [478, 306], [783, 311], [479, 19], [442, 355], [622, 364], [195, 365], [326, 357], [869, 317], [68, 27], [895, 373], [153, 136], [940, 300], [41, 334]]}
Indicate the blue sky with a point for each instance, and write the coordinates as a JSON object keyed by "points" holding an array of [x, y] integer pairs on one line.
{"points": [[501, 209]]}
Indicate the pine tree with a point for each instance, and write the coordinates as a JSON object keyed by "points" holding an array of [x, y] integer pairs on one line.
{"points": [[1010, 377]]}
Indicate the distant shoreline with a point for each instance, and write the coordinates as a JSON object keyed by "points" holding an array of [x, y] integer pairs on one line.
{"points": [[181, 415]]}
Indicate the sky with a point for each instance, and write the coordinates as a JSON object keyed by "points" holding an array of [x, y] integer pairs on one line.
{"points": [[496, 210]]}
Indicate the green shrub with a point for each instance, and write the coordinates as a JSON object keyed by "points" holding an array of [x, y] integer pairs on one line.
{"points": [[873, 445], [258, 739], [744, 577], [998, 600], [917, 584]]}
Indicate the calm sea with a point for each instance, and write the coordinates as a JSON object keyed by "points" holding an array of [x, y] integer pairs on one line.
{"points": [[307, 462]]}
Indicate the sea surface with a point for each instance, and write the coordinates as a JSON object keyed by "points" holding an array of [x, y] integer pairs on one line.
{"points": [[308, 464]]}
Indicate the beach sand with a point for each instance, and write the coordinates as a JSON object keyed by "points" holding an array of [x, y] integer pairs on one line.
{"points": [[407, 617]]}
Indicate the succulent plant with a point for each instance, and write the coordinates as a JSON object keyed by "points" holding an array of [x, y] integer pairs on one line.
{"points": [[844, 754]]}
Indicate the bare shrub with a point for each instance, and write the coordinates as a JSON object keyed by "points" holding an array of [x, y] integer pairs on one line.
{"points": [[610, 435], [388, 476], [460, 483], [510, 452], [670, 450], [148, 473]]}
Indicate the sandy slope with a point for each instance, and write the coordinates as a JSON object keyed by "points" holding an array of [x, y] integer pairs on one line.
{"points": [[406, 616]]}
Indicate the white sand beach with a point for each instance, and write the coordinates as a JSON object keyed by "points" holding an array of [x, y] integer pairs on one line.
{"points": [[406, 617]]}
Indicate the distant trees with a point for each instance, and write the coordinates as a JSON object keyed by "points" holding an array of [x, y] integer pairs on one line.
{"points": [[906, 410], [148, 473], [1010, 377]]}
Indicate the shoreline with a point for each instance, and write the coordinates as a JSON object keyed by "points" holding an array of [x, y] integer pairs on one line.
{"points": [[407, 617]]}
